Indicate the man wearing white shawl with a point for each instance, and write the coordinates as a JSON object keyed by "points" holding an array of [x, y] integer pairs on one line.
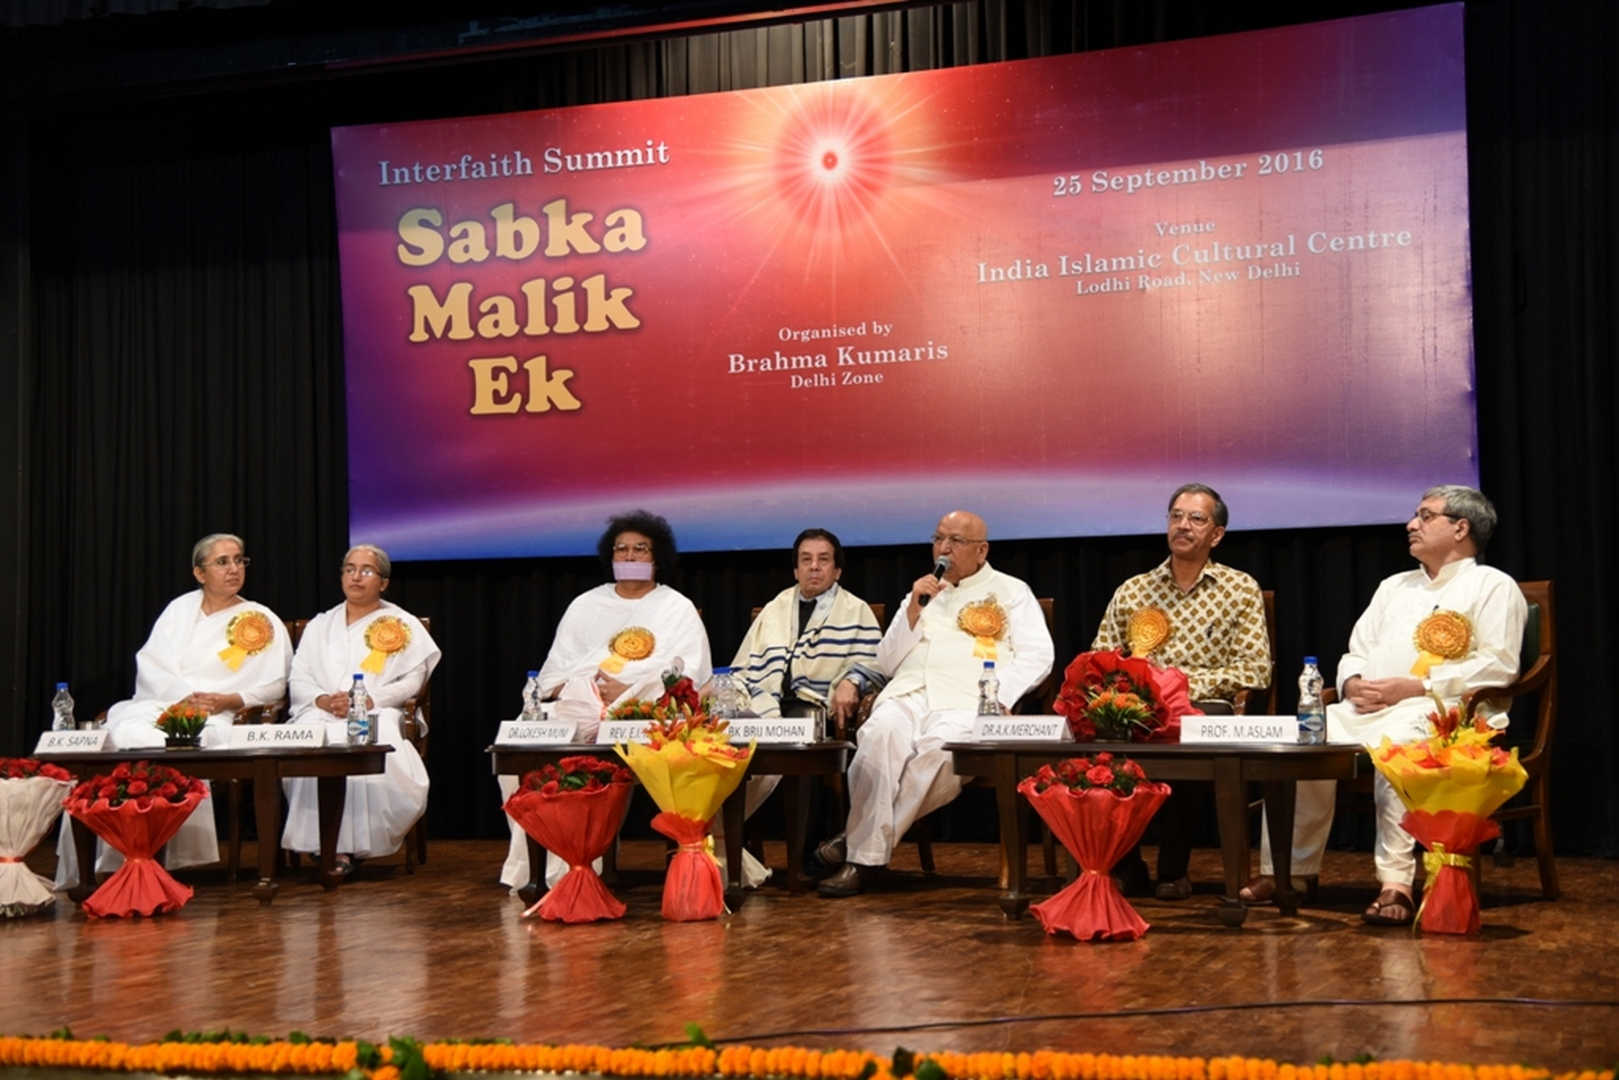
{"points": [[613, 644], [211, 648], [387, 645]]}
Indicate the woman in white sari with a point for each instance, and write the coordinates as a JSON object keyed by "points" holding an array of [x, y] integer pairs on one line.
{"points": [[368, 636], [211, 648]]}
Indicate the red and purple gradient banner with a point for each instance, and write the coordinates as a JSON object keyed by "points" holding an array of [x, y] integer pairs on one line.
{"points": [[1048, 291]]}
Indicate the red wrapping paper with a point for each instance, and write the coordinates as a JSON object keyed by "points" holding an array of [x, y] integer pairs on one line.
{"points": [[578, 826], [1452, 837], [140, 886], [693, 888], [1097, 827]]}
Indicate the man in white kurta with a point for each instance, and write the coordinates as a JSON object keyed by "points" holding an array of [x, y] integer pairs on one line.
{"points": [[377, 810], [190, 652], [933, 657], [1387, 682]]}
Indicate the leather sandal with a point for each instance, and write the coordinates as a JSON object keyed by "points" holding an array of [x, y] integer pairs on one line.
{"points": [[1391, 908], [1261, 890]]}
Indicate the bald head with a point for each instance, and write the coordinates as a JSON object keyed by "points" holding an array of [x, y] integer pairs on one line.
{"points": [[963, 536]]}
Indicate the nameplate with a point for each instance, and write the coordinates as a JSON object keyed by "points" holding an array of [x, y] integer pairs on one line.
{"points": [[783, 729], [1020, 729], [535, 733], [622, 731], [89, 741], [267, 736], [1239, 729]]}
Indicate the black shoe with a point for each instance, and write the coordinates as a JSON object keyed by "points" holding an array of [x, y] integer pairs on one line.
{"points": [[1132, 878], [846, 882]]}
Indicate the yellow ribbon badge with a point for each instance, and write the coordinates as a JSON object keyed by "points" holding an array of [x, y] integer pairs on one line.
{"points": [[1146, 630], [246, 635], [631, 643], [1444, 635], [985, 620], [384, 637]]}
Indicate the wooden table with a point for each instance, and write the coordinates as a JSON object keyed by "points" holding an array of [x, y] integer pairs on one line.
{"points": [[266, 768], [1274, 767], [799, 764]]}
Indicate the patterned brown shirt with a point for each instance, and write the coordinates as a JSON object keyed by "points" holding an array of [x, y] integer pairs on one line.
{"points": [[1216, 632]]}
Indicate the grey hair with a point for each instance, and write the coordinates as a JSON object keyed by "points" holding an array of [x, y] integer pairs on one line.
{"points": [[1221, 515], [199, 550], [1470, 505], [384, 564]]}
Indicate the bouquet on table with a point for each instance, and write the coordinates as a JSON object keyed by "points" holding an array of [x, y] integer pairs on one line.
{"points": [[1450, 783], [689, 767], [137, 808], [574, 808], [1111, 696], [30, 802], [182, 724], [1098, 807]]}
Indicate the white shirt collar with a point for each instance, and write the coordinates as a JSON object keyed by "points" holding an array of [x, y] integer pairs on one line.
{"points": [[1447, 573]]}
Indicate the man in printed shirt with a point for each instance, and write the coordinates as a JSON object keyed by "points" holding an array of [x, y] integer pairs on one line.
{"points": [[1217, 637]]}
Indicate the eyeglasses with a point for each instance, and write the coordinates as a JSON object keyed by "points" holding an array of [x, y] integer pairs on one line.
{"points": [[642, 548], [1195, 518], [955, 541], [225, 561], [1424, 515], [350, 570]]}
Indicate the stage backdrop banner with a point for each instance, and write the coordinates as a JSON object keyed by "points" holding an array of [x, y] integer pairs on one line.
{"points": [[1047, 290]]}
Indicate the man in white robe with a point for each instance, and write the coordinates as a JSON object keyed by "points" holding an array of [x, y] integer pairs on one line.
{"points": [[215, 649], [933, 657], [378, 811], [1387, 681]]}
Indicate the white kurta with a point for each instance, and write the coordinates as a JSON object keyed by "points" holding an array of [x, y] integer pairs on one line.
{"points": [[577, 653], [181, 657], [900, 769], [377, 810], [1382, 645]]}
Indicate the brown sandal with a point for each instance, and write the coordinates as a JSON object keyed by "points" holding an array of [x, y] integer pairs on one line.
{"points": [[1391, 908], [1261, 890]]}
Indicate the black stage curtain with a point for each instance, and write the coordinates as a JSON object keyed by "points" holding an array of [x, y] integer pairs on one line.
{"points": [[177, 357]]}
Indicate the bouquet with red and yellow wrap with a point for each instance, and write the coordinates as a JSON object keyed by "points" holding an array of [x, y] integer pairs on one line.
{"points": [[1450, 783]]}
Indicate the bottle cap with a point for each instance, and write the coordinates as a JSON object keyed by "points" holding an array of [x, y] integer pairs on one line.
{"points": [[534, 674], [722, 671], [1309, 659], [989, 665], [61, 686], [358, 677]]}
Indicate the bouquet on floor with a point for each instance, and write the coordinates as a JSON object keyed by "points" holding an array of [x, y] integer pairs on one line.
{"points": [[1098, 807], [30, 801], [1113, 697], [575, 809], [1450, 783], [137, 808], [689, 767]]}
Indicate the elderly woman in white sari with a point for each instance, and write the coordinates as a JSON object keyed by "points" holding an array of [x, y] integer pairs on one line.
{"points": [[211, 648], [389, 647]]}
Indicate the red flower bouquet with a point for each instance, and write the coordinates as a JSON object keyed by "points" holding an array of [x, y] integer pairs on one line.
{"points": [[1098, 807], [30, 801], [137, 808], [1116, 698], [574, 808]]}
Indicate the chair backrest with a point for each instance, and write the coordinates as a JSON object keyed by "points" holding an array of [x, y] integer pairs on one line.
{"points": [[1041, 697], [1269, 596], [295, 631], [878, 608], [1539, 654]]}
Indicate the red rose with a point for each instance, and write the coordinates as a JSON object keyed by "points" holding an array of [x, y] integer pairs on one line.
{"points": [[1099, 776], [137, 787], [1130, 768], [169, 790], [1104, 758], [550, 788], [122, 770]]}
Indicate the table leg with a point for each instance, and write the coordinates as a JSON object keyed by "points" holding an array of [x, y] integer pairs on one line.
{"points": [[333, 790], [1280, 799], [1231, 810], [267, 820], [796, 803], [535, 888], [1014, 897], [84, 846], [732, 812]]}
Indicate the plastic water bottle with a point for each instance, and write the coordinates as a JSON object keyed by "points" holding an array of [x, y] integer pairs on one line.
{"points": [[723, 687], [62, 709], [359, 722], [1312, 714], [989, 691], [532, 713]]}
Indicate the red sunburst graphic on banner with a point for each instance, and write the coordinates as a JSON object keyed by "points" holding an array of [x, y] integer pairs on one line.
{"points": [[833, 161]]}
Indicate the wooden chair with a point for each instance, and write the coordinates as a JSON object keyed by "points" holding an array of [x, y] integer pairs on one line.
{"points": [[1244, 698]]}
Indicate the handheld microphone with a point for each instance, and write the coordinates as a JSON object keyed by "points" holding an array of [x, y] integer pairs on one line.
{"points": [[940, 565]]}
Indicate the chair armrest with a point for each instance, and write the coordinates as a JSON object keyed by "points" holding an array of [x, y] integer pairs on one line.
{"points": [[262, 714], [409, 726], [1534, 680]]}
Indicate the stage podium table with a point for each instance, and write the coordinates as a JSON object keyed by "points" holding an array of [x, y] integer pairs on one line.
{"points": [[266, 767], [797, 764], [1231, 768]]}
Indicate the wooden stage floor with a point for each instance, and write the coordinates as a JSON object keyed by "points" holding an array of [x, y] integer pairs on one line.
{"points": [[930, 964]]}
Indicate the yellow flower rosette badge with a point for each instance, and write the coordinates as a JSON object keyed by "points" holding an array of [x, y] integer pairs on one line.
{"points": [[384, 637], [1145, 630], [246, 635], [630, 643], [985, 620], [1444, 635]]}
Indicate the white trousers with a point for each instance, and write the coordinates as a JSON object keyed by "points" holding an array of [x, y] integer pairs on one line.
{"points": [[900, 772], [377, 810]]}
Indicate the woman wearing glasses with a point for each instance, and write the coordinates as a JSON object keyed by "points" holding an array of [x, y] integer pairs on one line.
{"points": [[389, 647], [211, 648]]}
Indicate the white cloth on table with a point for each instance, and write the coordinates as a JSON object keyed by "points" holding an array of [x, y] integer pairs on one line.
{"points": [[1382, 645], [377, 810], [900, 769], [182, 657], [578, 650]]}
